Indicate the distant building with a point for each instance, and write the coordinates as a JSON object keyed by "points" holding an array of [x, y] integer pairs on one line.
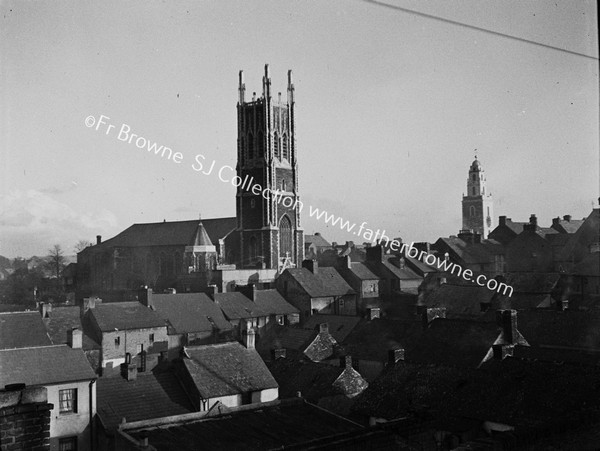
{"points": [[315, 245], [477, 205], [363, 281]]}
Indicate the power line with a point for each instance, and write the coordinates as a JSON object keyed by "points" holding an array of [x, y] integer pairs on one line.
{"points": [[473, 27]]}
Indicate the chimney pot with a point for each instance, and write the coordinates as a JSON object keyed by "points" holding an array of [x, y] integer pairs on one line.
{"points": [[395, 355]]}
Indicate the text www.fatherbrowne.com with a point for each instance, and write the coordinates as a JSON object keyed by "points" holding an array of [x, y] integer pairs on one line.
{"points": [[224, 173]]}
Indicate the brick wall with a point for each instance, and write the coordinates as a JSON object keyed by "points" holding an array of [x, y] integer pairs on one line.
{"points": [[25, 419]]}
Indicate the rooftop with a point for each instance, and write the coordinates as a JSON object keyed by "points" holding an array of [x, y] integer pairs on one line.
{"points": [[63, 319], [460, 301], [326, 282], [44, 366], [237, 306], [125, 316], [227, 369], [190, 312], [154, 394], [271, 301], [339, 325], [22, 330]]}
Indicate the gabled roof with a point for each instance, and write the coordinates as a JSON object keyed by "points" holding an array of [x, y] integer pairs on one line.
{"points": [[317, 240], [477, 253], [321, 348], [22, 330], [44, 365], [326, 282], [361, 271], [63, 319], [292, 339], [151, 395], [271, 301], [172, 233], [460, 300], [227, 369], [564, 226], [237, 306], [125, 316], [339, 325], [190, 312], [454, 342]]}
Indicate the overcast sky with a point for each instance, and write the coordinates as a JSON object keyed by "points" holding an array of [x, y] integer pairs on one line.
{"points": [[389, 109]]}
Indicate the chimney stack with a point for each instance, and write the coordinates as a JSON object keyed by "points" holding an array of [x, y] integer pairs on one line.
{"points": [[374, 312], [509, 325], [324, 328], [432, 313], [75, 338], [502, 220], [98, 239], [145, 296], [311, 265], [129, 371], [375, 253], [533, 221], [250, 338], [211, 290], [501, 351], [248, 290], [567, 218], [346, 361], [279, 353], [395, 355]]}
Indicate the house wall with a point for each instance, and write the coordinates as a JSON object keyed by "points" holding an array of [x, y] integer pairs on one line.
{"points": [[270, 394], [129, 341], [63, 425], [294, 294]]}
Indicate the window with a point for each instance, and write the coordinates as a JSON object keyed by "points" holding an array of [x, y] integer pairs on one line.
{"points": [[284, 145], [67, 400], [471, 211], [250, 147], [252, 203], [283, 185], [117, 342], [151, 338], [473, 191], [67, 444], [285, 237]]}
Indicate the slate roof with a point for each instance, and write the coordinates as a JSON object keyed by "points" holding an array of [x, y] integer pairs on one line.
{"points": [[454, 342], [180, 233], [288, 423], [293, 339], [44, 365], [317, 240], [22, 330], [63, 319], [570, 328], [565, 226], [201, 237], [460, 301], [271, 301], [153, 394], [190, 312], [339, 325], [528, 282], [322, 347], [361, 271], [371, 340], [125, 316], [237, 306], [227, 369], [326, 282]]}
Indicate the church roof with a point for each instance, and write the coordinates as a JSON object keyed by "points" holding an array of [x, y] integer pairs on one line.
{"points": [[172, 233], [201, 238]]}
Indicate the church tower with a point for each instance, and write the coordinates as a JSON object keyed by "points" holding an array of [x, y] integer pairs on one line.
{"points": [[477, 205], [268, 222]]}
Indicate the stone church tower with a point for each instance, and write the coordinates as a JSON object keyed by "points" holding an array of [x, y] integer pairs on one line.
{"points": [[268, 223], [477, 205]]}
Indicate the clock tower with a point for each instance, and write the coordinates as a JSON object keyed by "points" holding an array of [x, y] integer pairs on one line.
{"points": [[268, 222], [477, 205]]}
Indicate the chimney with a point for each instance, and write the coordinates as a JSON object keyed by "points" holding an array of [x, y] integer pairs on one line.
{"points": [[556, 221], [374, 312], [129, 371], [477, 238], [395, 355], [509, 325], [211, 290], [145, 296], [564, 304], [346, 361], [466, 235], [432, 313], [247, 290], [249, 338], [334, 244], [502, 220], [345, 262], [98, 239], [567, 218], [533, 221], [502, 351], [75, 338], [324, 328], [375, 253], [311, 265], [278, 353], [45, 309], [317, 234]]}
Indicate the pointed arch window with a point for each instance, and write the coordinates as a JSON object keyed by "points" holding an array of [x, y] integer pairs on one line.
{"points": [[471, 211], [276, 145], [250, 146], [242, 150], [285, 148], [260, 145], [285, 237], [252, 249], [473, 189]]}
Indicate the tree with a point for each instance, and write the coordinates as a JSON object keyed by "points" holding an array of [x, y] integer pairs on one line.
{"points": [[81, 245], [55, 262]]}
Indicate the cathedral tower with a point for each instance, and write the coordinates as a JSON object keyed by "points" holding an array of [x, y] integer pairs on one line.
{"points": [[477, 205], [268, 222]]}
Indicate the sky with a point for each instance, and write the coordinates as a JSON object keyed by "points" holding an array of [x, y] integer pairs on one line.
{"points": [[390, 107]]}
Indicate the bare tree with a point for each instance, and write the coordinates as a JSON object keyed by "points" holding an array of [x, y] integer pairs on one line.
{"points": [[56, 261], [81, 245]]}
